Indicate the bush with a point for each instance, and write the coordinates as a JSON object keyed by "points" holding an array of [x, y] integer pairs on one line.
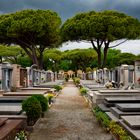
{"points": [[57, 87], [77, 81], [43, 102], [83, 91], [111, 126], [102, 117], [33, 109]]}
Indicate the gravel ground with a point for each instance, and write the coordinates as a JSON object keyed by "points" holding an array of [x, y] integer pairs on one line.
{"points": [[69, 119]]}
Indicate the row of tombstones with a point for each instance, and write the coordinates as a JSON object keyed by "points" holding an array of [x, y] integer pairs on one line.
{"points": [[14, 76], [122, 75]]}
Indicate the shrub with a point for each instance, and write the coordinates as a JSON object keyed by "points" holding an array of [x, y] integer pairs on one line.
{"points": [[57, 87], [102, 117], [111, 126], [77, 81], [43, 102], [32, 108], [83, 91]]}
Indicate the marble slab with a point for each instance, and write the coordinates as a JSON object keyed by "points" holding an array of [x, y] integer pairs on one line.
{"points": [[132, 121], [128, 107]]}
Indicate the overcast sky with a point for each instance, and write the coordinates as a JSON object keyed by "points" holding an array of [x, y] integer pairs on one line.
{"points": [[68, 8]]}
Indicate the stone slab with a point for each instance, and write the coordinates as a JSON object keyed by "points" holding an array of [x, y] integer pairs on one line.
{"points": [[2, 121], [118, 113], [112, 116], [133, 132], [129, 107], [119, 91], [108, 104], [123, 99], [21, 116], [10, 110], [35, 88], [9, 128], [25, 93], [11, 99], [132, 121], [103, 107]]}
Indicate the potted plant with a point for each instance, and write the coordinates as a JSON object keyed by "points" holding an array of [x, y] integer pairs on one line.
{"points": [[58, 88]]}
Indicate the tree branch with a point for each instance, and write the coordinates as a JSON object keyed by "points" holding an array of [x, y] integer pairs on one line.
{"points": [[92, 42], [118, 44]]}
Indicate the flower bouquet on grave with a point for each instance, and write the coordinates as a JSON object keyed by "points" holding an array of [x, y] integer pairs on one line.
{"points": [[98, 81], [108, 85], [22, 135]]}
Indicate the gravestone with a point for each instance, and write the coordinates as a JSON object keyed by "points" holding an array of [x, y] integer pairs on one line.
{"points": [[137, 73], [61, 75], [6, 76], [23, 77], [16, 76], [105, 75]]}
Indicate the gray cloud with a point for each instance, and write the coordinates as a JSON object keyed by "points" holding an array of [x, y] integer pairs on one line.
{"points": [[68, 8]]}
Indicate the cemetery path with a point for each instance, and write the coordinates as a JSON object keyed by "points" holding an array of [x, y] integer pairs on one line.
{"points": [[69, 119]]}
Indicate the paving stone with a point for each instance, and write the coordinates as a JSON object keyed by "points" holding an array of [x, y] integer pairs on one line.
{"points": [[129, 107], [132, 121]]}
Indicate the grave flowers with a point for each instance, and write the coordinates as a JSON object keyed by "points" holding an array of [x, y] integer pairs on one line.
{"points": [[22, 135], [108, 85]]}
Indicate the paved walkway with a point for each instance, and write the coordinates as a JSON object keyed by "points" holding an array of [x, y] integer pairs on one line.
{"points": [[69, 119]]}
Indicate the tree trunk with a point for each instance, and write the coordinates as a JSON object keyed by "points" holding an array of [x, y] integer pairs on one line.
{"points": [[99, 58], [105, 57], [0, 59], [98, 50], [105, 53], [40, 61]]}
